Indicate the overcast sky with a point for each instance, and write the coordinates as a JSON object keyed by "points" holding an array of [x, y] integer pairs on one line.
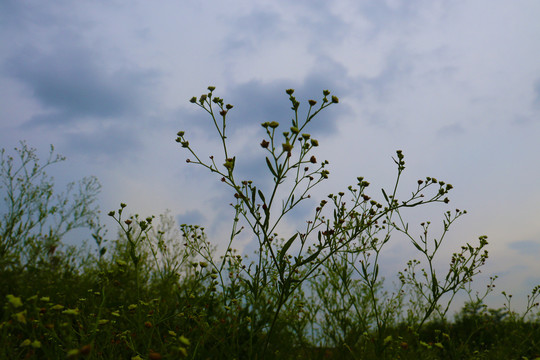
{"points": [[454, 84]]}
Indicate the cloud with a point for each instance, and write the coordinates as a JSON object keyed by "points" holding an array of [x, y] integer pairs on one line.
{"points": [[537, 94], [526, 247], [451, 130], [72, 83], [191, 217]]}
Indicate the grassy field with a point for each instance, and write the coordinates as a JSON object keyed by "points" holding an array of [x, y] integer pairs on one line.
{"points": [[157, 290]]}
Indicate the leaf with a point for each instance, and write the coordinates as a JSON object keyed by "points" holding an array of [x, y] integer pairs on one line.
{"points": [[261, 195], [417, 246], [310, 258], [286, 247], [385, 196], [270, 167]]}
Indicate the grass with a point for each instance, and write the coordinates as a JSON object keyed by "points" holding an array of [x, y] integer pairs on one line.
{"points": [[157, 290]]}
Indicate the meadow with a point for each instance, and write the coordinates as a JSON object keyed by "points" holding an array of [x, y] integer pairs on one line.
{"points": [[159, 290]]}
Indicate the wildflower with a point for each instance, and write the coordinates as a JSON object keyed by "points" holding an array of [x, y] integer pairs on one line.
{"points": [[312, 102], [183, 351], [154, 356], [71, 312], [229, 164], [314, 142], [25, 343], [72, 353], [147, 324], [184, 340], [36, 344], [287, 147], [264, 144], [15, 301], [57, 307]]}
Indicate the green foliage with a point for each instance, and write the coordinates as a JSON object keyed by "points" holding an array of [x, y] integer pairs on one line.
{"points": [[34, 218], [159, 291]]}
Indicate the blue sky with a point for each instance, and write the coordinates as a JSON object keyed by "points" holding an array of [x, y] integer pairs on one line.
{"points": [[455, 85]]}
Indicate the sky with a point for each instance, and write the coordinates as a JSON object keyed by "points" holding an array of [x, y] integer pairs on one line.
{"points": [[454, 84]]}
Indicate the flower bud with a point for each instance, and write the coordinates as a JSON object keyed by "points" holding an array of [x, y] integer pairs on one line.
{"points": [[193, 100], [211, 88], [289, 91], [312, 102], [287, 147]]}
